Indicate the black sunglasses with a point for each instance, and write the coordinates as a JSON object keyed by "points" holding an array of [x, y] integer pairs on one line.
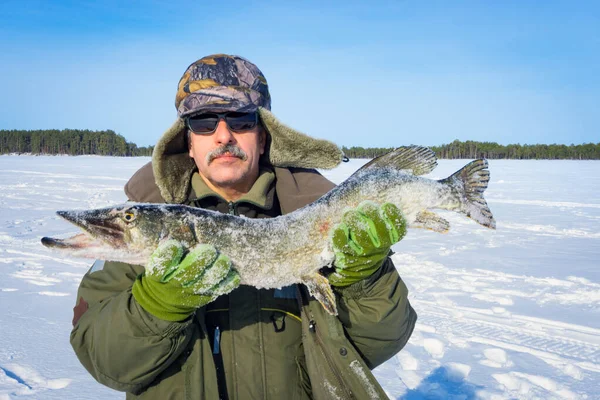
{"points": [[204, 124]]}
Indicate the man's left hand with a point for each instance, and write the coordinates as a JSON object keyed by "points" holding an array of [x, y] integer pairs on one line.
{"points": [[362, 241]]}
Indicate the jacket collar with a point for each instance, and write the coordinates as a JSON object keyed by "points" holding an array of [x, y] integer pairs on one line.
{"points": [[295, 187], [261, 194]]}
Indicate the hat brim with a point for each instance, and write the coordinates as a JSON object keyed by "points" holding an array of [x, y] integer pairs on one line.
{"points": [[220, 99]]}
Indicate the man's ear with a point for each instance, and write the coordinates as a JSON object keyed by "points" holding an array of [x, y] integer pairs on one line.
{"points": [[189, 143], [262, 140]]}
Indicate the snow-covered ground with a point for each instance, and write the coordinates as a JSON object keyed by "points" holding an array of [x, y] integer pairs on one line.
{"points": [[512, 313]]}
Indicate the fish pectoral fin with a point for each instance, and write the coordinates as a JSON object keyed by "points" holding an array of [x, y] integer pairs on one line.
{"points": [[430, 220], [319, 287]]}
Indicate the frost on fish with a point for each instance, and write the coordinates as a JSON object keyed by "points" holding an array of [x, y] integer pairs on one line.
{"points": [[292, 248]]}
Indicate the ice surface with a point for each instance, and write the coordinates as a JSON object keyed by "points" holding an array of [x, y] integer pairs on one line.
{"points": [[508, 314]]}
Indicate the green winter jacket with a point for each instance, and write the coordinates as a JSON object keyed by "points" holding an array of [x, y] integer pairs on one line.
{"points": [[267, 344]]}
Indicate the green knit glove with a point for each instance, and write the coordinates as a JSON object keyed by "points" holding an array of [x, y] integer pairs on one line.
{"points": [[362, 241], [172, 289]]}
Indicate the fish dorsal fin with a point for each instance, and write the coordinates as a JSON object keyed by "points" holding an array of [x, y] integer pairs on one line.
{"points": [[416, 160]]}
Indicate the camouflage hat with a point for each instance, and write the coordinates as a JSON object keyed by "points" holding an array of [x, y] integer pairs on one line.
{"points": [[222, 82]]}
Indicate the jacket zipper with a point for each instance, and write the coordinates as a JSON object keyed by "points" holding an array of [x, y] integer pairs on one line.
{"points": [[232, 208], [321, 346], [335, 371]]}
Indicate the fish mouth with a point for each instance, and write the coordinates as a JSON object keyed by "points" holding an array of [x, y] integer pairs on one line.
{"points": [[80, 241], [99, 231]]}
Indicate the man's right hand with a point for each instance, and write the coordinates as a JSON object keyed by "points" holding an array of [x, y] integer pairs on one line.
{"points": [[172, 288]]}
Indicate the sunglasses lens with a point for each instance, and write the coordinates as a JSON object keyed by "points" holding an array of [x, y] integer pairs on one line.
{"points": [[203, 123], [241, 121], [207, 123]]}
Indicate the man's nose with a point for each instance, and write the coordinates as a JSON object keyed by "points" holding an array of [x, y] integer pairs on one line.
{"points": [[222, 133]]}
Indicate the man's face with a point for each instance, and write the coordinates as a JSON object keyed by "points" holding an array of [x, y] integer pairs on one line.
{"points": [[231, 170]]}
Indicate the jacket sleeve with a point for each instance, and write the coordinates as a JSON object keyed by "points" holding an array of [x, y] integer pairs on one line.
{"points": [[118, 342], [376, 314]]}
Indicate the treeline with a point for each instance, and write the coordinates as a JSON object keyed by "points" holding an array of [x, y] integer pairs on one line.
{"points": [[108, 143], [492, 150], [72, 142]]}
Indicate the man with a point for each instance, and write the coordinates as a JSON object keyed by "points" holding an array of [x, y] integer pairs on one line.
{"points": [[185, 328]]}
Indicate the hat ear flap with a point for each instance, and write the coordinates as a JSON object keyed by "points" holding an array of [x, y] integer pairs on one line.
{"points": [[287, 147], [172, 165]]}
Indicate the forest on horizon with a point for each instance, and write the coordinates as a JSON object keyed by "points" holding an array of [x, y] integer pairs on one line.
{"points": [[493, 151], [74, 142], [109, 143]]}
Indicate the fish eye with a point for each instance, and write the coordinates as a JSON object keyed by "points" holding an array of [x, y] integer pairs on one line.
{"points": [[129, 216]]}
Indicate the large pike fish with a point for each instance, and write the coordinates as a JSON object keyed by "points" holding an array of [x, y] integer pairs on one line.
{"points": [[292, 248]]}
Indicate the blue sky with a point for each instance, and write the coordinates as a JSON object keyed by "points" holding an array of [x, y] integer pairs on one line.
{"points": [[380, 73]]}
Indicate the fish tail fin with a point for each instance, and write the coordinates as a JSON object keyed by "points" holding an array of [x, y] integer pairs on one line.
{"points": [[472, 180]]}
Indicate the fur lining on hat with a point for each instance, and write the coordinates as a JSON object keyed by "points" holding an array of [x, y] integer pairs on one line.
{"points": [[291, 148], [172, 164], [286, 147]]}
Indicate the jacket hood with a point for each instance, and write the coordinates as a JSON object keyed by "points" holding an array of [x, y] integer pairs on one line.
{"points": [[286, 147]]}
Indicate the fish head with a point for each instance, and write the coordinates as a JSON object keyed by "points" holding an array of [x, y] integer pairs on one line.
{"points": [[127, 233]]}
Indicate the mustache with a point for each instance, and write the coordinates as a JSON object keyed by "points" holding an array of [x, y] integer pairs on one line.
{"points": [[227, 149]]}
